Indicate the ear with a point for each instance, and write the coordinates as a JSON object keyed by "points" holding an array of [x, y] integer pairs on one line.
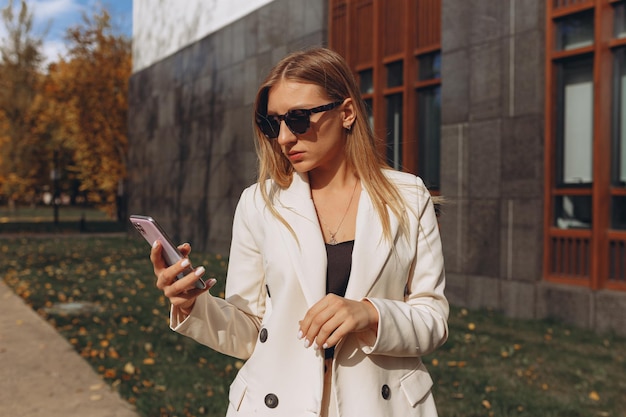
{"points": [[349, 113]]}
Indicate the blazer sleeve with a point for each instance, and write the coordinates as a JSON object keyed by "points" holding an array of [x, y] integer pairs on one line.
{"points": [[417, 325], [231, 325]]}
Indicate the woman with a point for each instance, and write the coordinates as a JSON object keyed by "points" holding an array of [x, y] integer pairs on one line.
{"points": [[335, 284]]}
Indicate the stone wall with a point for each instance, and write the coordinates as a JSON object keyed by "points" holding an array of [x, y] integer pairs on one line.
{"points": [[493, 103], [190, 121], [492, 152]]}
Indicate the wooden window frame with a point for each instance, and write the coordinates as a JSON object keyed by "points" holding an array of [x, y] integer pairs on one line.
{"points": [[419, 39], [600, 236]]}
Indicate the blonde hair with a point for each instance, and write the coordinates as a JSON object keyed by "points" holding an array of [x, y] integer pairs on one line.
{"points": [[328, 70]]}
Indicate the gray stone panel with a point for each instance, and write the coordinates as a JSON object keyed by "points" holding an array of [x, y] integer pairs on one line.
{"points": [[528, 15], [454, 160], [488, 20], [456, 289], [610, 312], [455, 25], [522, 161], [482, 250], [484, 159], [483, 292], [570, 304], [521, 241], [528, 84], [191, 143], [453, 228], [518, 299], [455, 91], [486, 80]]}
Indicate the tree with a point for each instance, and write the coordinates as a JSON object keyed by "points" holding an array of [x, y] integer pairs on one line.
{"points": [[20, 52], [90, 89]]}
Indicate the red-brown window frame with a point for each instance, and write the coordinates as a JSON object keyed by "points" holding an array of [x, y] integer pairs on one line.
{"points": [[420, 38], [599, 236]]}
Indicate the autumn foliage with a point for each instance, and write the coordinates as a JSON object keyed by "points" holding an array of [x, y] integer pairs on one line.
{"points": [[77, 115]]}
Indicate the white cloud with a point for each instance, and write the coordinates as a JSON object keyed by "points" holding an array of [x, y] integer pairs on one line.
{"points": [[52, 9], [52, 50]]}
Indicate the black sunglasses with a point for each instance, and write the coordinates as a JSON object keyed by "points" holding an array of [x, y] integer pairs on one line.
{"points": [[298, 120]]}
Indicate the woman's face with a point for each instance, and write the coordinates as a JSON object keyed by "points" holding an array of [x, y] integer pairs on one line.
{"points": [[322, 146]]}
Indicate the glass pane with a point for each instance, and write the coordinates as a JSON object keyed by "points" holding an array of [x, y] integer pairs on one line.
{"points": [[619, 22], [575, 127], [573, 212], [370, 114], [394, 74], [618, 170], [366, 81], [618, 212], [429, 135], [429, 66], [394, 130], [575, 31]]}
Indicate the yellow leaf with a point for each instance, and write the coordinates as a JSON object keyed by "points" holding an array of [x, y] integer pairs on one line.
{"points": [[486, 404], [148, 361], [435, 362], [471, 326], [594, 396], [129, 368]]}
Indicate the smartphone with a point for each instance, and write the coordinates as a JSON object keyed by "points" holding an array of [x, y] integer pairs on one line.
{"points": [[152, 231]]}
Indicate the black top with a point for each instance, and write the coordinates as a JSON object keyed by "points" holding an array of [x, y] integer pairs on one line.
{"points": [[338, 272]]}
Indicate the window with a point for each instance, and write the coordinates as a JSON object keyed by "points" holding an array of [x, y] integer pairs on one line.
{"points": [[585, 235], [428, 118], [393, 46], [575, 125]]}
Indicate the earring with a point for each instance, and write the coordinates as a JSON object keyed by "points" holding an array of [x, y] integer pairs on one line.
{"points": [[347, 126]]}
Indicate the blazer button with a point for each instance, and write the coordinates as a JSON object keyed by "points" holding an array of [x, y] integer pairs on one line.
{"points": [[263, 335], [385, 391], [271, 401]]}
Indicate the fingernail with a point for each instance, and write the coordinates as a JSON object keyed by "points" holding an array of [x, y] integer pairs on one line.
{"points": [[315, 346], [199, 271], [211, 282], [300, 334], [185, 263], [307, 343], [325, 345], [155, 244]]}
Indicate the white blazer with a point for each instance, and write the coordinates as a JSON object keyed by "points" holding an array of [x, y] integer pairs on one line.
{"points": [[274, 278]]}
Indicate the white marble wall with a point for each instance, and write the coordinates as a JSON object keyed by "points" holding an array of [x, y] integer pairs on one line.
{"points": [[162, 27]]}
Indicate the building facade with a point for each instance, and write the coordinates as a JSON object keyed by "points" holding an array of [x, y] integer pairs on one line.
{"points": [[509, 109]]}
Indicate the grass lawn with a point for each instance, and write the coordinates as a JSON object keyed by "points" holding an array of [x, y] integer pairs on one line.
{"points": [[71, 219], [99, 293]]}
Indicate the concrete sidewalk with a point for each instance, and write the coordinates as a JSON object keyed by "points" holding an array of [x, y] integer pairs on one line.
{"points": [[42, 375]]}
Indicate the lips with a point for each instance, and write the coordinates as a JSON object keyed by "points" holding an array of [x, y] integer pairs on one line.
{"points": [[295, 156]]}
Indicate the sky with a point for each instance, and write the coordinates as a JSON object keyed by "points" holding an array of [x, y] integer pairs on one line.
{"points": [[52, 18]]}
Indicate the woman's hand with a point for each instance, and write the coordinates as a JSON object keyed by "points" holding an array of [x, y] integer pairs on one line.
{"points": [[333, 317], [182, 293]]}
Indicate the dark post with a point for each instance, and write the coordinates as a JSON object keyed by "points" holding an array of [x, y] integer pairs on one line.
{"points": [[54, 176]]}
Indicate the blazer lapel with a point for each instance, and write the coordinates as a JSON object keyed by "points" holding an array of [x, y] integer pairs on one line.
{"points": [[306, 251], [371, 248]]}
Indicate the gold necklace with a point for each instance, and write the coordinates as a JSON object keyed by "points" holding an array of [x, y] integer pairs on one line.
{"points": [[332, 240]]}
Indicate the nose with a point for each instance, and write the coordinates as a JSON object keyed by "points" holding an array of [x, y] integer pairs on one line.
{"points": [[285, 135]]}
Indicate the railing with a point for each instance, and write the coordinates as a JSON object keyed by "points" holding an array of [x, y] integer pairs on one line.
{"points": [[617, 261], [571, 256]]}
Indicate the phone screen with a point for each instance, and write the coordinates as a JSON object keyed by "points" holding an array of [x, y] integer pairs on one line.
{"points": [[151, 232]]}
